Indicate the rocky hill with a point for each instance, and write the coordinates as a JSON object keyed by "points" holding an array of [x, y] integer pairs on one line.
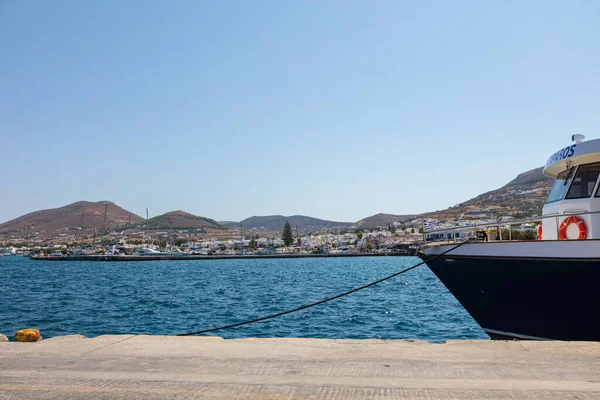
{"points": [[521, 197], [46, 223], [180, 220], [275, 223], [382, 220]]}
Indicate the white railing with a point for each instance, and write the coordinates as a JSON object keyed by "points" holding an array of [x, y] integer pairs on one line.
{"points": [[507, 225], [496, 224]]}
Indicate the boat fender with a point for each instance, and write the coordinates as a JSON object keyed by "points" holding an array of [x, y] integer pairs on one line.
{"points": [[539, 232], [28, 335], [572, 220]]}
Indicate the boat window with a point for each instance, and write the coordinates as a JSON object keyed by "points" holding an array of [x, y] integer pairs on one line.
{"points": [[584, 181], [560, 186]]}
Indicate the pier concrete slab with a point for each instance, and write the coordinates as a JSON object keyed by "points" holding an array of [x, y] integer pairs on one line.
{"points": [[158, 367]]}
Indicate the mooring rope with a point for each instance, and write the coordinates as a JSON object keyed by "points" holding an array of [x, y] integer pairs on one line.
{"points": [[304, 307]]}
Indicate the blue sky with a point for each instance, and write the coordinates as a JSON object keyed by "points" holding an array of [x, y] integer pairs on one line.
{"points": [[334, 109]]}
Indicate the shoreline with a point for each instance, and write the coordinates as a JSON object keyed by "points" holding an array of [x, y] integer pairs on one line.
{"points": [[211, 257]]}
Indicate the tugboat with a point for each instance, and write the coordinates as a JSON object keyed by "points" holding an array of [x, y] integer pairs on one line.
{"points": [[546, 289]]}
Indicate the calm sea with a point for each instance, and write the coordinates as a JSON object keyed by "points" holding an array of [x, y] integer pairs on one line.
{"points": [[171, 297]]}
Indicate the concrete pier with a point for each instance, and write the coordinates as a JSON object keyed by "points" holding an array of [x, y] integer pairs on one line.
{"points": [[159, 367]]}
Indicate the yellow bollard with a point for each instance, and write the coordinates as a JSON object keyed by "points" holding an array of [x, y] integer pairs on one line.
{"points": [[28, 335]]}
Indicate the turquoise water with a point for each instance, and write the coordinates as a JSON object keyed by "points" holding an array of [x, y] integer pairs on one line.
{"points": [[171, 297]]}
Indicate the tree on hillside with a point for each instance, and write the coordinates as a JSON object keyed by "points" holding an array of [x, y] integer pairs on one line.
{"points": [[180, 241], [287, 236], [253, 244]]}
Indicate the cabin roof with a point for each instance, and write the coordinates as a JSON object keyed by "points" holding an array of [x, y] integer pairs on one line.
{"points": [[572, 155]]}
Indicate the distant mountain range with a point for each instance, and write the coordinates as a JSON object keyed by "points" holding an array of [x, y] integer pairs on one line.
{"points": [[382, 220], [180, 220], [276, 223], [522, 196], [55, 220]]}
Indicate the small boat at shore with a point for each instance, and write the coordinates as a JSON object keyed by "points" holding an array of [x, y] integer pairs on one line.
{"points": [[56, 254], [546, 289], [147, 251]]}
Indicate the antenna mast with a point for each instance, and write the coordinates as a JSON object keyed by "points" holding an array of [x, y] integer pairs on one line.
{"points": [[147, 227], [82, 229], [104, 223]]}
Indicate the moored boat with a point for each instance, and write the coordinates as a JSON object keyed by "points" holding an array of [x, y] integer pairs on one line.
{"points": [[543, 289], [148, 251], [56, 254]]}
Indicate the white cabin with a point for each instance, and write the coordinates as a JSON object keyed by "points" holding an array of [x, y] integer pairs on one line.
{"points": [[572, 209]]}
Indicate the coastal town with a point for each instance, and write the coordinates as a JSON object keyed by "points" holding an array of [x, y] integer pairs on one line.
{"points": [[91, 228], [396, 237]]}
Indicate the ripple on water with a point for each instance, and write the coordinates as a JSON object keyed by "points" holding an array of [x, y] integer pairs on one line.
{"points": [[164, 297]]}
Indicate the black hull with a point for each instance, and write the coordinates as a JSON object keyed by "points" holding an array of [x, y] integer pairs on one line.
{"points": [[557, 299]]}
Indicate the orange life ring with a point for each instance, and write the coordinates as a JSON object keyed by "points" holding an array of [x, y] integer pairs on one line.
{"points": [[573, 220], [539, 231]]}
